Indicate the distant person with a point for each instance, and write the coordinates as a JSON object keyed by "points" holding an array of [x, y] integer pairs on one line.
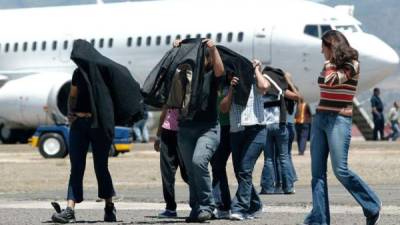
{"points": [[394, 115], [377, 115], [331, 131], [170, 159], [140, 128], [303, 119]]}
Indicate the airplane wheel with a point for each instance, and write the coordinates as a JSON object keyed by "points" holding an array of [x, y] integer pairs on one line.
{"points": [[7, 135], [52, 145]]}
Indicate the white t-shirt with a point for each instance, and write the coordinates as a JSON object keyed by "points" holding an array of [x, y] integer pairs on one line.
{"points": [[394, 114]]}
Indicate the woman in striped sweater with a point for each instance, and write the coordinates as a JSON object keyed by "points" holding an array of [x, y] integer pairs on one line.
{"points": [[331, 131]]}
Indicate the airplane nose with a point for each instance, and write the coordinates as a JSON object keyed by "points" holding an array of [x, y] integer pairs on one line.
{"points": [[376, 57]]}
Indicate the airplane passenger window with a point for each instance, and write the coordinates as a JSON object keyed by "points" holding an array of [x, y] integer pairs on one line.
{"points": [[229, 37], [208, 35], [110, 42], [219, 37], [43, 45], [139, 41], [15, 47], [65, 45], [148, 41], [129, 42], [240, 37], [54, 47], [34, 44], [93, 42], [25, 46], [7, 47], [198, 35], [101, 42], [311, 30], [188, 36], [168, 40], [325, 28], [158, 40]]}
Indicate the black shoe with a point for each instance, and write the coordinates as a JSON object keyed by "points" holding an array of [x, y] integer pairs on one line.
{"points": [[110, 213], [192, 220], [204, 215], [373, 220], [65, 216]]}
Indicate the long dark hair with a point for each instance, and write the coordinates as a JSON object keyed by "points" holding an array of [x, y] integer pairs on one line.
{"points": [[342, 52]]}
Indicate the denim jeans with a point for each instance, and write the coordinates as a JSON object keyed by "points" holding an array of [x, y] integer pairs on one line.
{"points": [[291, 133], [220, 184], [302, 130], [395, 130], [80, 136], [197, 143], [331, 134], [169, 162], [141, 131], [276, 148], [247, 146]]}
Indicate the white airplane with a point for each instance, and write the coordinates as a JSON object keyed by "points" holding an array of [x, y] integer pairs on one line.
{"points": [[35, 45]]}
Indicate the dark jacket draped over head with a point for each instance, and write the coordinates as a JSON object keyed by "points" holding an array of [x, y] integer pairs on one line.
{"points": [[114, 93], [157, 86]]}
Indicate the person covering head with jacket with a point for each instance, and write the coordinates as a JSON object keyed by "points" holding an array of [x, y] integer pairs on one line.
{"points": [[199, 134], [331, 131], [103, 94]]}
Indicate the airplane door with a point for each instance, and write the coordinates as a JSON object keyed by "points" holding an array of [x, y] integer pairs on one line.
{"points": [[262, 45]]}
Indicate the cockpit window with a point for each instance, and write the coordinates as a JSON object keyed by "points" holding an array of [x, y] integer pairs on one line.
{"points": [[317, 30], [325, 28], [311, 30], [347, 28]]}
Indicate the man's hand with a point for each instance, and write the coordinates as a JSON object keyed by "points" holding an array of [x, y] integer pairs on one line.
{"points": [[234, 81], [209, 43], [177, 43], [257, 64], [71, 117], [157, 145]]}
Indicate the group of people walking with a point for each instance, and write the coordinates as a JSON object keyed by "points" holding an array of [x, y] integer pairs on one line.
{"points": [[216, 102]]}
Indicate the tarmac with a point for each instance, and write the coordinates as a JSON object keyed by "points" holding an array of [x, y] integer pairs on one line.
{"points": [[29, 183]]}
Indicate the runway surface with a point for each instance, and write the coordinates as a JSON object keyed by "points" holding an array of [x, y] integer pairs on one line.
{"points": [[29, 183]]}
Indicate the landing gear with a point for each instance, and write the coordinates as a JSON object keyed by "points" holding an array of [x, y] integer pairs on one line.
{"points": [[12, 136]]}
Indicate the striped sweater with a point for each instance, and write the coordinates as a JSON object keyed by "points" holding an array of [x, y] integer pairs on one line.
{"points": [[338, 87]]}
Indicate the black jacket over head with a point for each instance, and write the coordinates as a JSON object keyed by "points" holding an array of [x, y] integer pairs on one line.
{"points": [[115, 95], [158, 83], [240, 67], [278, 76]]}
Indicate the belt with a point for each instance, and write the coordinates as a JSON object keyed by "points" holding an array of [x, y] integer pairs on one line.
{"points": [[83, 115]]}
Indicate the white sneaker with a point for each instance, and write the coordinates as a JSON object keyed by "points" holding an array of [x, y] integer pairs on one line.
{"points": [[220, 214], [253, 215], [237, 216]]}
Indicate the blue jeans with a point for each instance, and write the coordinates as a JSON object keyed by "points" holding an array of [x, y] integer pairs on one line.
{"points": [[276, 149], [197, 143], [302, 130], [220, 184], [80, 136], [395, 130], [247, 146], [331, 134], [141, 131], [291, 131]]}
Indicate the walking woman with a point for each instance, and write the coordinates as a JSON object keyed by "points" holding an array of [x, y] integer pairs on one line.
{"points": [[331, 131]]}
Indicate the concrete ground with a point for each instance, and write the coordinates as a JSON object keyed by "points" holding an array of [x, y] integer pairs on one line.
{"points": [[29, 182]]}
